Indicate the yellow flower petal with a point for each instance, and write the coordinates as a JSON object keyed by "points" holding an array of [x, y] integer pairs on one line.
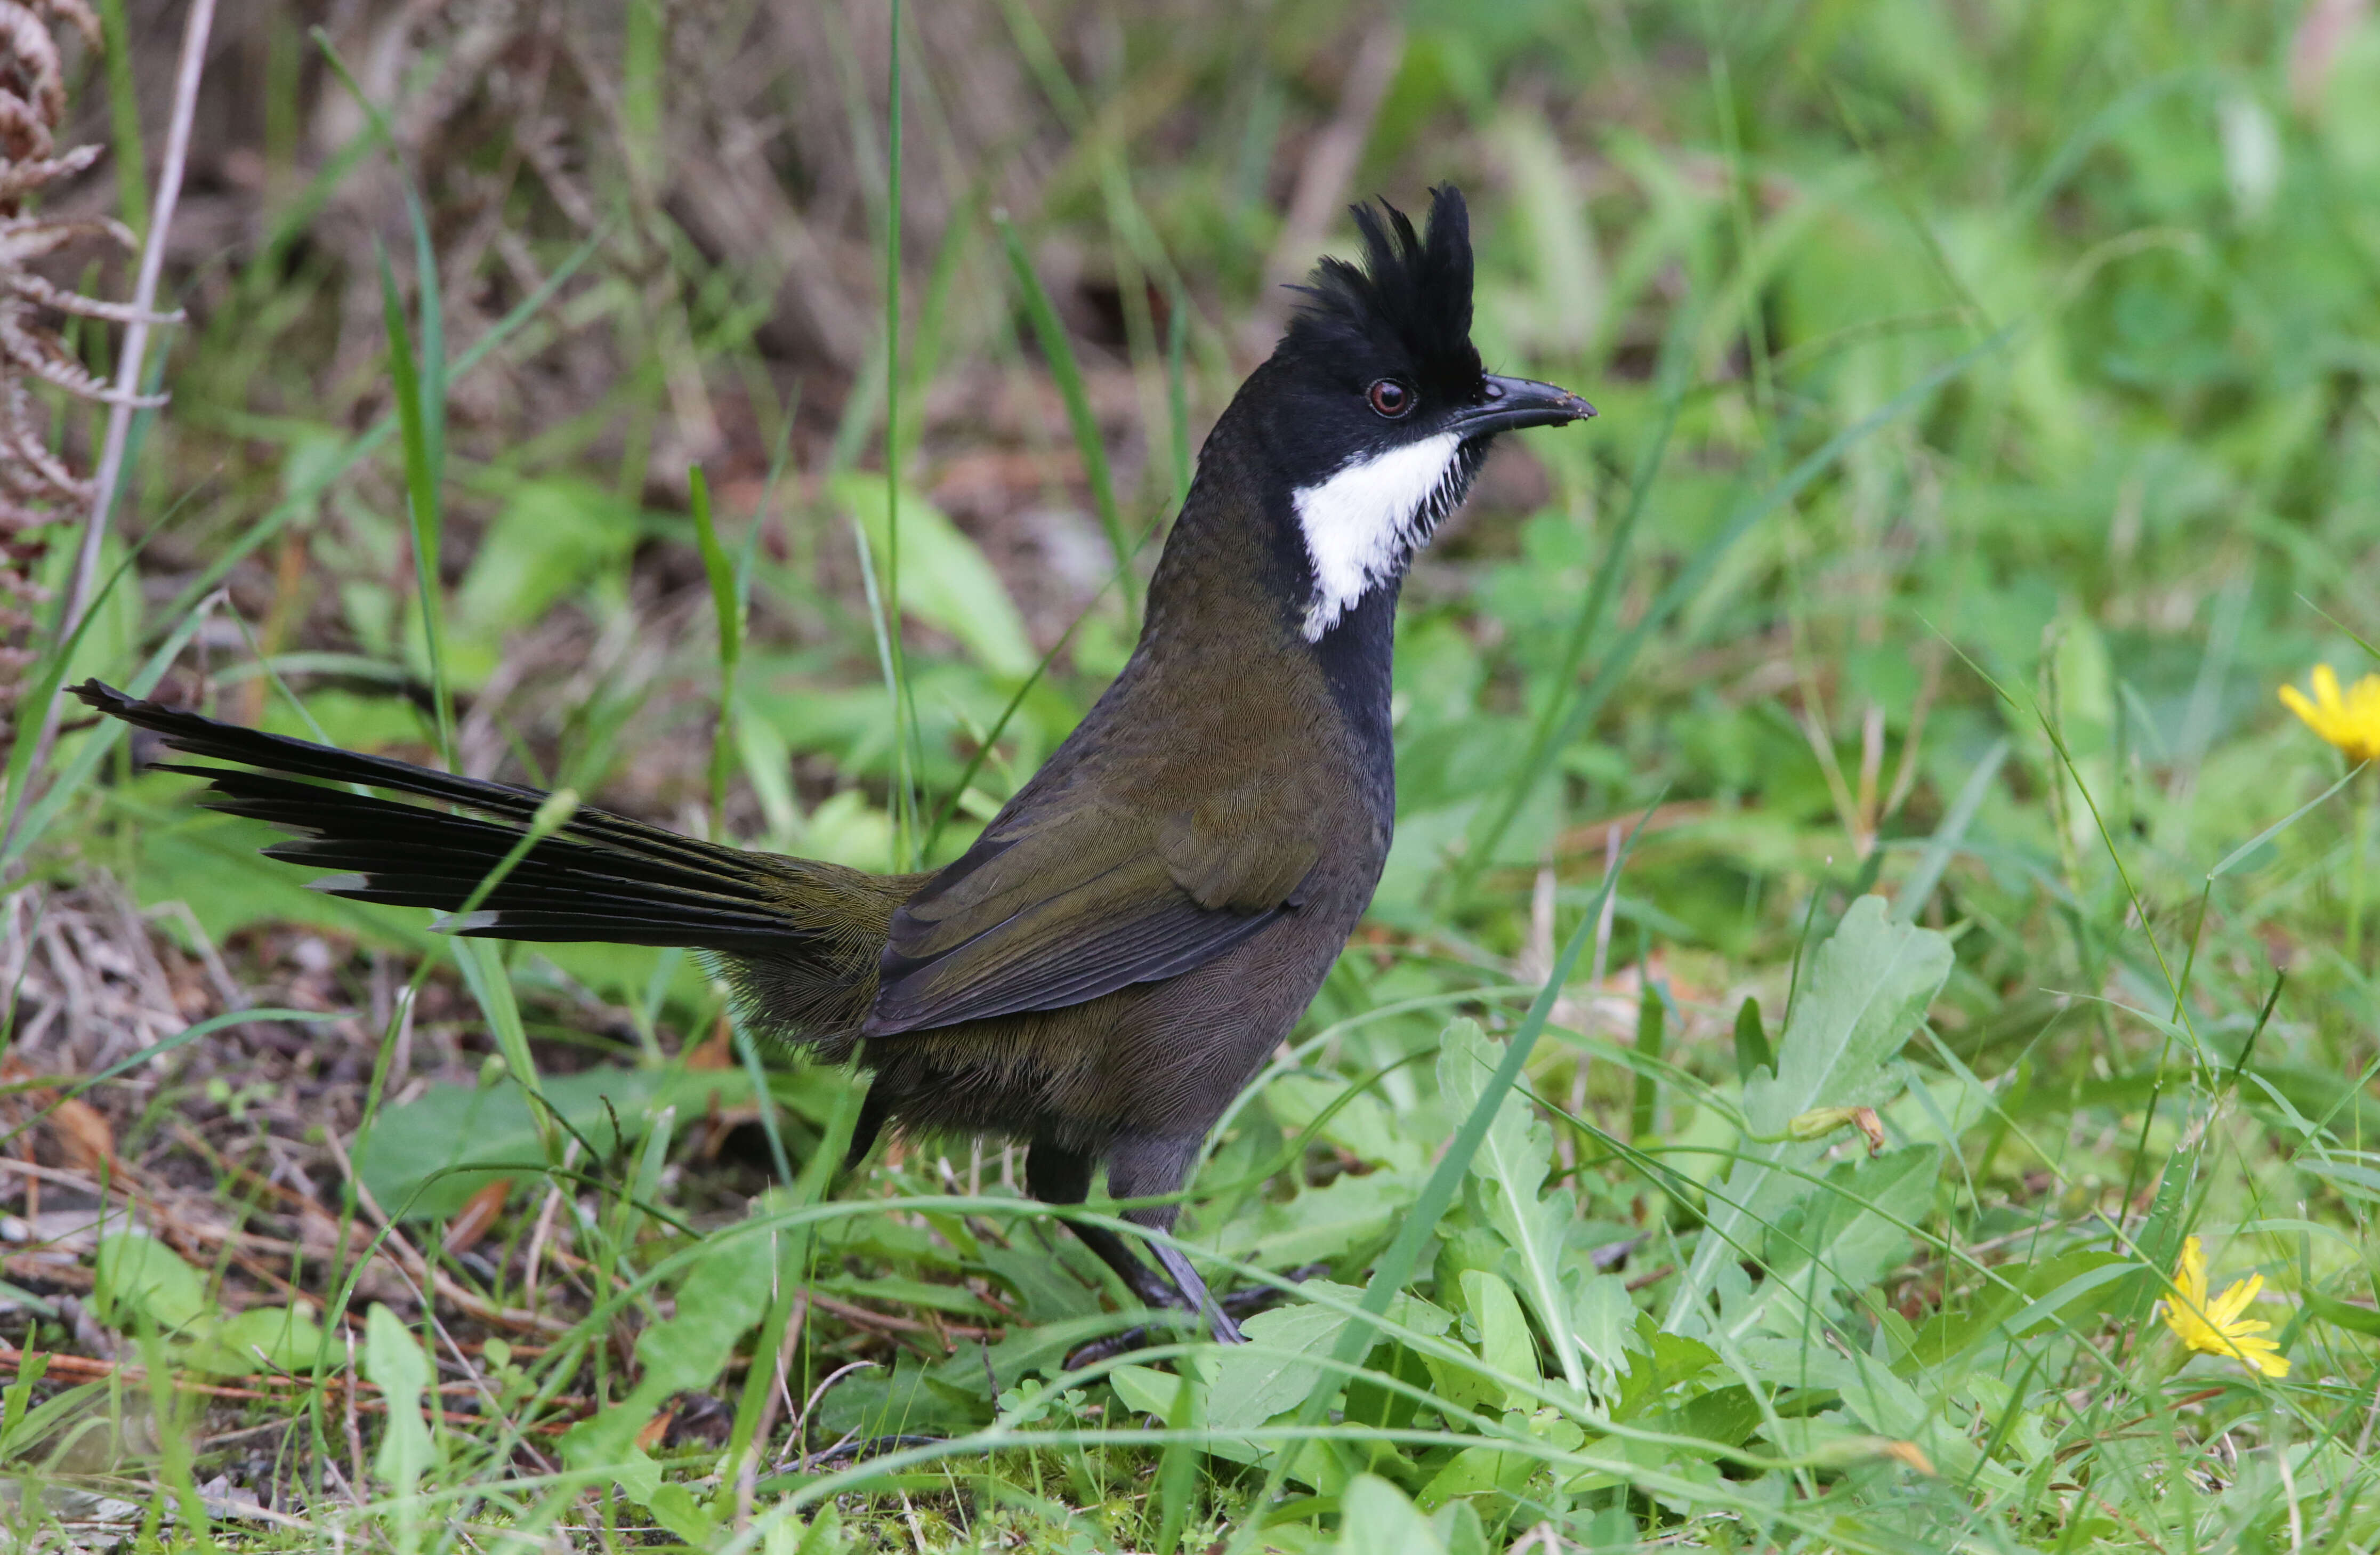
{"points": [[2350, 720], [2216, 1327], [2224, 1310]]}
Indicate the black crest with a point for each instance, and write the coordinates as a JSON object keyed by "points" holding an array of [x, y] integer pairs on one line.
{"points": [[1410, 298]]}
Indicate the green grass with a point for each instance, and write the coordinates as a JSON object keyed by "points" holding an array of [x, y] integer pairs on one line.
{"points": [[1873, 707]]}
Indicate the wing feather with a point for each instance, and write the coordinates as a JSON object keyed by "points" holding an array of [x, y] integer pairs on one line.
{"points": [[1065, 905]]}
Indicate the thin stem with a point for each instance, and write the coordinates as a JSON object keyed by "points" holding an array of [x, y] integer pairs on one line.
{"points": [[2355, 876], [132, 360], [905, 804]]}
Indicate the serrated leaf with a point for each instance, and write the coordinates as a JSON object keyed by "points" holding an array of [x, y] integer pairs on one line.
{"points": [[1511, 1166], [1602, 1316], [1851, 1225], [1884, 1403], [1505, 1345], [1321, 1223], [1869, 987], [1362, 1123]]}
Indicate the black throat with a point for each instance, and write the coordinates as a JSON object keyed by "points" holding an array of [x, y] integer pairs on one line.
{"points": [[1357, 657]]}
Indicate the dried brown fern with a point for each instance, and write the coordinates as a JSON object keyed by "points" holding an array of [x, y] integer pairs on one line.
{"points": [[38, 487]]}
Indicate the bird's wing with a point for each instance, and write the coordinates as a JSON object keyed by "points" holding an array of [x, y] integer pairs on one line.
{"points": [[1075, 898]]}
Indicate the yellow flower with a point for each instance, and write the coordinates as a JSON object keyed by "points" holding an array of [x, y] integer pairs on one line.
{"points": [[2216, 1326], [2349, 722]]}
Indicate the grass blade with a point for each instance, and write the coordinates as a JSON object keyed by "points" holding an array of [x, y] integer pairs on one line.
{"points": [[1919, 886], [1396, 1265], [904, 722], [2277, 828], [124, 120], [1058, 353], [1697, 571], [420, 498], [725, 601], [1677, 359]]}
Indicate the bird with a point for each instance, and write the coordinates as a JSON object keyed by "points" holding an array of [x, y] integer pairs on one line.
{"points": [[1110, 963]]}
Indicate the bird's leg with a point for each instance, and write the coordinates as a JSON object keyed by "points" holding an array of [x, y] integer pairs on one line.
{"points": [[873, 1112], [1062, 1177], [1140, 1167], [1246, 1302]]}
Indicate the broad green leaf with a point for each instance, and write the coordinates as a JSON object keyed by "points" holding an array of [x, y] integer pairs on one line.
{"points": [[549, 541], [1242, 1388], [821, 1536], [490, 1130], [673, 1506], [1344, 1215], [397, 1367], [1851, 1225], [1252, 1385], [723, 1294], [1477, 1471], [1147, 1390], [260, 1339], [1041, 1282], [1884, 1403], [1602, 1316], [1375, 1518], [1868, 986], [1505, 1344], [134, 1276], [1362, 1123], [1867, 989], [136, 1280], [945, 581]]}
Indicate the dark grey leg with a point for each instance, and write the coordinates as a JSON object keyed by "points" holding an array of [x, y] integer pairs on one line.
{"points": [[1059, 1176], [873, 1112], [1144, 1168]]}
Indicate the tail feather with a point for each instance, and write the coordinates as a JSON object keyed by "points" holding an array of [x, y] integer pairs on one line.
{"points": [[201, 735], [815, 927], [411, 856]]}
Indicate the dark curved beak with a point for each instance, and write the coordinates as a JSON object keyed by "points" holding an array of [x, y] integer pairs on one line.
{"points": [[1512, 403]]}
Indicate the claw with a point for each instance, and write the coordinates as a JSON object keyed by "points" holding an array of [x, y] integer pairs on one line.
{"points": [[1222, 1314]]}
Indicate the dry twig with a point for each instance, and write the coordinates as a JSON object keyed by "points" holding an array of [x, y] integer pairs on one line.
{"points": [[30, 350]]}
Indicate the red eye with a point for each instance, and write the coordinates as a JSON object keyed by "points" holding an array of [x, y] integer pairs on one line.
{"points": [[1389, 398]]}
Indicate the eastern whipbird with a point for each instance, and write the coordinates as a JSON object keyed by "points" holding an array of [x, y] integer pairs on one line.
{"points": [[1151, 914]]}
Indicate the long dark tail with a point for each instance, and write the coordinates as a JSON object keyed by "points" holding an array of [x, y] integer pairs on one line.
{"points": [[802, 936]]}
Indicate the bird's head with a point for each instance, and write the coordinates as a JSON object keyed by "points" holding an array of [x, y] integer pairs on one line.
{"points": [[1374, 405]]}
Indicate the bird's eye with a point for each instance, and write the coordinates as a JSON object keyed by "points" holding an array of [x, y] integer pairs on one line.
{"points": [[1388, 399]]}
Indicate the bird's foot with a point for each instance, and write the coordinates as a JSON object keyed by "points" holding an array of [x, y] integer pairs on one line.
{"points": [[1224, 1320]]}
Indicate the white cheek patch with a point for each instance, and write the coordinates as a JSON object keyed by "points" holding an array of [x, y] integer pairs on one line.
{"points": [[1363, 521]]}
